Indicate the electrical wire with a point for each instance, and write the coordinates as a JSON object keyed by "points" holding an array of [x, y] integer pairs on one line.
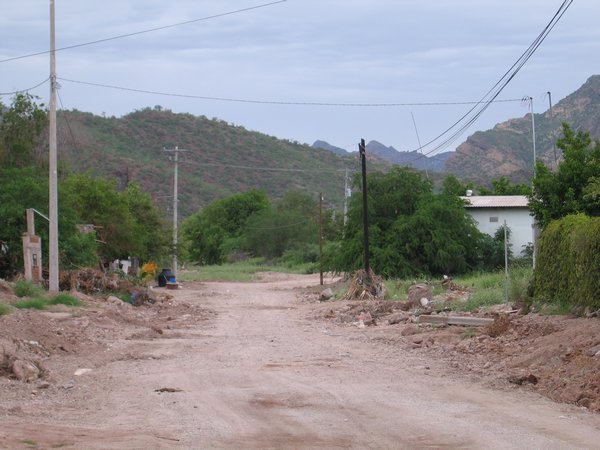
{"points": [[150, 30], [281, 102], [273, 169], [68, 123], [495, 90], [291, 225], [26, 90]]}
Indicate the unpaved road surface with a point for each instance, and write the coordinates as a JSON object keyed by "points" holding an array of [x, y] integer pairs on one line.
{"points": [[259, 371]]}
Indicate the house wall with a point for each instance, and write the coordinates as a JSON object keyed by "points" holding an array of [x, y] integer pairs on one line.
{"points": [[518, 220]]}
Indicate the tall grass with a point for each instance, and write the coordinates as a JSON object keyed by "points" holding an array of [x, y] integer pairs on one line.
{"points": [[520, 279], [244, 271], [4, 309], [64, 299], [24, 288], [31, 303], [488, 289], [485, 288]]}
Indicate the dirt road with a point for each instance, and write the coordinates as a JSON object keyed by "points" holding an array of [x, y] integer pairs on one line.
{"points": [[263, 373]]}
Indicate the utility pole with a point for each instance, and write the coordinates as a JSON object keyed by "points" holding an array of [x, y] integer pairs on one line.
{"points": [[321, 238], [553, 141], [52, 163], [530, 100], [535, 225], [347, 194], [506, 276], [420, 147], [175, 151], [363, 160]]}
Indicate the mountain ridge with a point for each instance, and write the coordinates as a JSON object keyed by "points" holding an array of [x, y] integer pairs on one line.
{"points": [[507, 149], [223, 159]]}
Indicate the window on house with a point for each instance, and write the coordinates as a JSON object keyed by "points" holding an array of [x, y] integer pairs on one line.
{"points": [[493, 219]]}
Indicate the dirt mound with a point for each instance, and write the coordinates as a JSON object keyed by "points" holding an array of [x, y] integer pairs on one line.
{"points": [[556, 356], [33, 340]]}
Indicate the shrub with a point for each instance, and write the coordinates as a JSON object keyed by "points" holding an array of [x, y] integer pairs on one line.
{"points": [[31, 303], [568, 262], [64, 299], [520, 277], [4, 309], [27, 289]]}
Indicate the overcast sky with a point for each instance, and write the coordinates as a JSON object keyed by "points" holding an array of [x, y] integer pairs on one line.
{"points": [[305, 51]]}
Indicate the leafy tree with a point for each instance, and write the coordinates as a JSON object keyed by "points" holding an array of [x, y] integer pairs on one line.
{"points": [[503, 186], [411, 230], [391, 195], [99, 203], [20, 188], [150, 230], [290, 225], [453, 186], [21, 126], [210, 231], [27, 187], [127, 223], [494, 251], [574, 187], [440, 238]]}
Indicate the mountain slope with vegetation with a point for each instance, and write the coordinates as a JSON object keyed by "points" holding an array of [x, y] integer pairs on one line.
{"points": [[221, 159], [507, 149]]}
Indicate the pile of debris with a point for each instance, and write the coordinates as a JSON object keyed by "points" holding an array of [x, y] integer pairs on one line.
{"points": [[365, 287], [92, 281]]}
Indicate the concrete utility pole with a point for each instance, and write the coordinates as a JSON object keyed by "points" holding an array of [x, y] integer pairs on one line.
{"points": [[176, 151], [506, 276], [530, 100], [347, 194], [553, 141], [53, 208], [535, 225], [321, 238]]}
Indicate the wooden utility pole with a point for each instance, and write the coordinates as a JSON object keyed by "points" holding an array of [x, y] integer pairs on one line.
{"points": [[321, 238], [363, 160], [52, 155], [176, 151]]}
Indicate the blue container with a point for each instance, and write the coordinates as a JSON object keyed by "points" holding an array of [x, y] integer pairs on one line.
{"points": [[164, 277]]}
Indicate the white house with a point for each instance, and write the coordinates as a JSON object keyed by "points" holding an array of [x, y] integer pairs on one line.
{"points": [[490, 212]]}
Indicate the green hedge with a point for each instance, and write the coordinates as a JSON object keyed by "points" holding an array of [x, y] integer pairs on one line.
{"points": [[568, 262]]}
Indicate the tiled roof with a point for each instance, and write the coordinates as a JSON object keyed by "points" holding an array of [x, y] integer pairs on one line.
{"points": [[497, 201]]}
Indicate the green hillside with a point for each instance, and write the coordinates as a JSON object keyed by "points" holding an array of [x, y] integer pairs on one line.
{"points": [[221, 160]]}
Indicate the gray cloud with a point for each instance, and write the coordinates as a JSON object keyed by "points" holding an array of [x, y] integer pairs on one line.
{"points": [[338, 51]]}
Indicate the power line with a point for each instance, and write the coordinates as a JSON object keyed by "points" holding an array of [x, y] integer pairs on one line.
{"points": [[491, 95], [291, 225], [26, 90], [282, 102], [150, 30], [272, 169], [65, 115]]}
